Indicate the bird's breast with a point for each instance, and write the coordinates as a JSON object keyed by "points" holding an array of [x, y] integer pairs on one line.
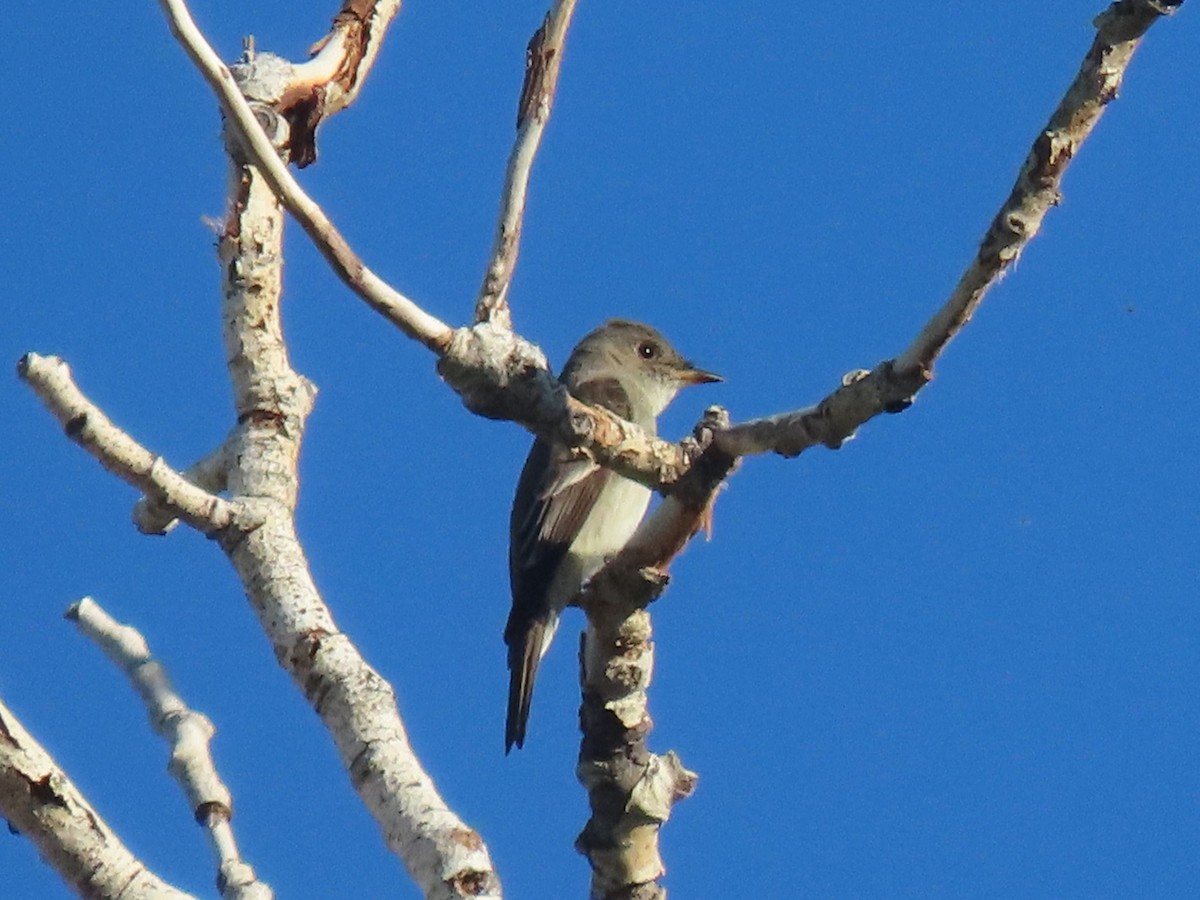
{"points": [[612, 520], [610, 523]]}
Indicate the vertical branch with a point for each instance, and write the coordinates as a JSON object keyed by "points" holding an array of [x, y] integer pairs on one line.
{"points": [[445, 857], [543, 61], [630, 789]]}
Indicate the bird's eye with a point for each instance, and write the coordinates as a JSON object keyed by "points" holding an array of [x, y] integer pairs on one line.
{"points": [[647, 349]]}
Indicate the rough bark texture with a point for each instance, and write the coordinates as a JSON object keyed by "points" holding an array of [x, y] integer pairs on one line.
{"points": [[188, 735], [499, 375], [630, 789], [447, 858], [40, 803]]}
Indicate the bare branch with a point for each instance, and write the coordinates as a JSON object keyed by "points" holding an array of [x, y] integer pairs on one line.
{"points": [[187, 733], [891, 386], [333, 78], [488, 372], [1120, 30], [210, 473], [543, 61], [500, 375], [40, 802], [88, 427], [861, 396], [388, 302], [631, 790], [446, 857]]}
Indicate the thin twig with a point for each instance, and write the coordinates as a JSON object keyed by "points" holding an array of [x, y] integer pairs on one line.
{"points": [[543, 61], [187, 733]]}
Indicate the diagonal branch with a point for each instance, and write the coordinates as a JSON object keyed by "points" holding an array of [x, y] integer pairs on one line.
{"points": [[384, 299], [187, 732], [891, 386], [88, 427], [631, 790], [334, 77], [41, 803], [1119, 32], [358, 707], [498, 375]]}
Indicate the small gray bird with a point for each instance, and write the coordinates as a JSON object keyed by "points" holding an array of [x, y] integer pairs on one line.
{"points": [[570, 515]]}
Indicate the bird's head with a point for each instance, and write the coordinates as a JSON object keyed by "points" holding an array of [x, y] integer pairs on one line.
{"points": [[648, 368]]}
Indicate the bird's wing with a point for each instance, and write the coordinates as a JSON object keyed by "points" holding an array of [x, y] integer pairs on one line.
{"points": [[554, 496], [546, 518]]}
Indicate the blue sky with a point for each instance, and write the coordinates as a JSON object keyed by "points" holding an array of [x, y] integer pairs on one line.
{"points": [[956, 658]]}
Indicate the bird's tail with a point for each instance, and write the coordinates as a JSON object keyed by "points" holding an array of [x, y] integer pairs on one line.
{"points": [[524, 654]]}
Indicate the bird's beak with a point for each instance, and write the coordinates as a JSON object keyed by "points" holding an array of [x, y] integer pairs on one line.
{"points": [[691, 375]]}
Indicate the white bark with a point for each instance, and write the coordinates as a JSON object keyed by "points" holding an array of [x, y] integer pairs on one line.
{"points": [[187, 733], [41, 803], [499, 375]]}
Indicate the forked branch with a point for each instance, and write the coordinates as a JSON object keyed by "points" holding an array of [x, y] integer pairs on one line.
{"points": [[384, 299]]}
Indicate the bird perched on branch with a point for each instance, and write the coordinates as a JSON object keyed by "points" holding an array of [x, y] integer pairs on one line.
{"points": [[570, 515]]}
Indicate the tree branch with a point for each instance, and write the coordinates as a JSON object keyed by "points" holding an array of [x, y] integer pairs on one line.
{"points": [[1119, 32], [630, 789], [256, 526], [498, 374], [543, 61], [188, 735], [388, 302], [502, 376], [40, 802], [358, 707], [891, 386], [333, 78], [87, 426], [209, 473]]}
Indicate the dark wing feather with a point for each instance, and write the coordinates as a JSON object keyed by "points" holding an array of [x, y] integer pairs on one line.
{"points": [[607, 393], [554, 497], [547, 515]]}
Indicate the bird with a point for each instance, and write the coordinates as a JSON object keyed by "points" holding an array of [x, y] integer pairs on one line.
{"points": [[569, 514]]}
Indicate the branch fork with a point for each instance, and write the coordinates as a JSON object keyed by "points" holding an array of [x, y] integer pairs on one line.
{"points": [[498, 375]]}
